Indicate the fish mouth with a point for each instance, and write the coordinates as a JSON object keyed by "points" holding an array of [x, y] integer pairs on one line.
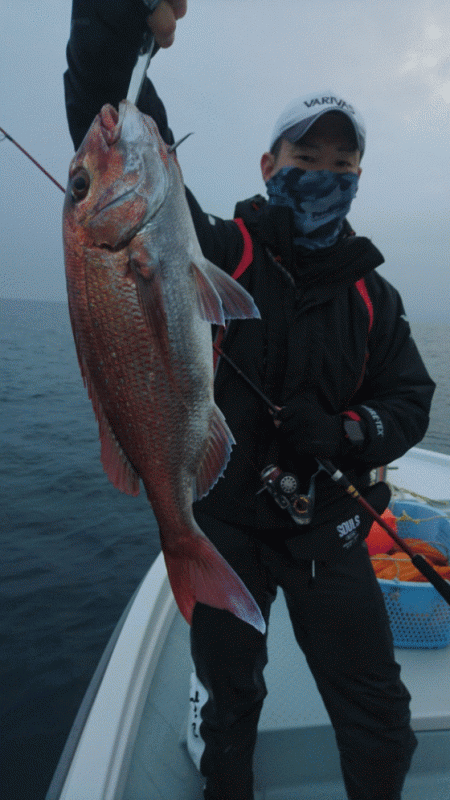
{"points": [[127, 130], [110, 124]]}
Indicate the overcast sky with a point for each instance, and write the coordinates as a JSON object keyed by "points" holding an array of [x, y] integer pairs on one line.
{"points": [[235, 64]]}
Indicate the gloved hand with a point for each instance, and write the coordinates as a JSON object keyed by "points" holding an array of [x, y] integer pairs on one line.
{"points": [[163, 17], [310, 430]]}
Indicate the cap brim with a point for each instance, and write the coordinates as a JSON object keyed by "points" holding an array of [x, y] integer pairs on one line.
{"points": [[298, 130]]}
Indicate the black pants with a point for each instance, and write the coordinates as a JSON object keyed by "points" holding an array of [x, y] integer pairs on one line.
{"points": [[340, 622]]}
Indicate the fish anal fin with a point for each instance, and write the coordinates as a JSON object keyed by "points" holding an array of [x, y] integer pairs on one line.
{"points": [[216, 455], [114, 461], [198, 573]]}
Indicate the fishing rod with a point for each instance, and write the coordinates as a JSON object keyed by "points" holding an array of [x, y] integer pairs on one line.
{"points": [[418, 560], [135, 86], [22, 150], [242, 375], [338, 477]]}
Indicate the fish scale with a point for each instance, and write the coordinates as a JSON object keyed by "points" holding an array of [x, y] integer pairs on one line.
{"points": [[142, 300]]}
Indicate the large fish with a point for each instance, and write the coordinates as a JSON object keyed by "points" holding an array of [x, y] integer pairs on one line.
{"points": [[142, 299]]}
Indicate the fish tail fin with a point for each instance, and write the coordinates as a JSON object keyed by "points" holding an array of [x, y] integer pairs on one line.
{"points": [[198, 573]]}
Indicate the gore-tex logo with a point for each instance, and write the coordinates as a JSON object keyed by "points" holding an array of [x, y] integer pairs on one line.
{"points": [[378, 423], [329, 101]]}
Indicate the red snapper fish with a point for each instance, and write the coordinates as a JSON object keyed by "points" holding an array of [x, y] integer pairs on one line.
{"points": [[142, 299]]}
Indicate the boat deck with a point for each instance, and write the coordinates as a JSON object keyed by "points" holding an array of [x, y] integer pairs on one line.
{"points": [[296, 755]]}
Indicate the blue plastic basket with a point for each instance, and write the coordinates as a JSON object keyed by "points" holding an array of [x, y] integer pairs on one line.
{"points": [[419, 616]]}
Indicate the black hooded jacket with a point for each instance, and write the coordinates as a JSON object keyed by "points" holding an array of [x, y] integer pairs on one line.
{"points": [[339, 333], [330, 325]]}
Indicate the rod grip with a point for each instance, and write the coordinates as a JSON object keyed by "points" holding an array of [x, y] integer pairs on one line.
{"points": [[437, 580]]}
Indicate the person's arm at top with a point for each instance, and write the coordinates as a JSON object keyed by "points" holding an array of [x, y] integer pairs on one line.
{"points": [[104, 43]]}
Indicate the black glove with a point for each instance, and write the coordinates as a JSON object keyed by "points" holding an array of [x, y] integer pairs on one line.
{"points": [[312, 431]]}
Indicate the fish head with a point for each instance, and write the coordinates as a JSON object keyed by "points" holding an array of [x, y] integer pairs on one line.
{"points": [[118, 179]]}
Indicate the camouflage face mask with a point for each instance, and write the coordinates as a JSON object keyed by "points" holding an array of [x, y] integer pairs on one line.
{"points": [[319, 199]]}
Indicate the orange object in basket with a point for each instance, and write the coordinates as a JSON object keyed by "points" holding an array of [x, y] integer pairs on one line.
{"points": [[396, 564], [432, 554], [378, 540], [385, 568]]}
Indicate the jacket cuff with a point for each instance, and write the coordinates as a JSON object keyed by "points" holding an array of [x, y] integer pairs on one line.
{"points": [[373, 426], [355, 429]]}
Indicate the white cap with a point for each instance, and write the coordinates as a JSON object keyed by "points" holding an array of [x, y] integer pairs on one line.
{"points": [[300, 114]]}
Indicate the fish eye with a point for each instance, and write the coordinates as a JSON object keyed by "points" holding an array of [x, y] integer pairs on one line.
{"points": [[80, 185]]}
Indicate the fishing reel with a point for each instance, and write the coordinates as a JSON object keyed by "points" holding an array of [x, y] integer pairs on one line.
{"points": [[285, 490]]}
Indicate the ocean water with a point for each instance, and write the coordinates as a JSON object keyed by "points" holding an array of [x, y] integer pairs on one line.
{"points": [[73, 549]]}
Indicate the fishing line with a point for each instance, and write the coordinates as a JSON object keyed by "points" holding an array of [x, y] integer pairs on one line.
{"points": [[47, 174]]}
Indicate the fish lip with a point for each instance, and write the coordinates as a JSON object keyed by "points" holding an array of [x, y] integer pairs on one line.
{"points": [[110, 133], [138, 190]]}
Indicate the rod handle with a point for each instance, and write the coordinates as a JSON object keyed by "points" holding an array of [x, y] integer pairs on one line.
{"points": [[439, 583]]}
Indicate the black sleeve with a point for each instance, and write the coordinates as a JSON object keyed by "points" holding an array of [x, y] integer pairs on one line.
{"points": [[395, 398], [105, 39]]}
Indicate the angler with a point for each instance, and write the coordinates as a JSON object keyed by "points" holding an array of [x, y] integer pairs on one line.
{"points": [[334, 351]]}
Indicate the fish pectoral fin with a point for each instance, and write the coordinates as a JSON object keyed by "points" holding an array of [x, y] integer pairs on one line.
{"points": [[216, 455], [235, 301], [149, 293], [198, 573], [114, 461], [220, 297], [151, 302], [208, 300]]}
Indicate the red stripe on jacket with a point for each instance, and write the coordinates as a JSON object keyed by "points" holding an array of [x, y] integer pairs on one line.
{"points": [[247, 254], [246, 260], [362, 289]]}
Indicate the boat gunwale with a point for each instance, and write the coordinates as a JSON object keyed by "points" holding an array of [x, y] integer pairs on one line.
{"points": [[135, 646]]}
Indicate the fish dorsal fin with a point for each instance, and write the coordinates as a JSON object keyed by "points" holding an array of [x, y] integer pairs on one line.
{"points": [[114, 461], [220, 297], [216, 455]]}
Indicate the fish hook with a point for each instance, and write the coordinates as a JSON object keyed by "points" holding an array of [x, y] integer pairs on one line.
{"points": [[174, 146]]}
